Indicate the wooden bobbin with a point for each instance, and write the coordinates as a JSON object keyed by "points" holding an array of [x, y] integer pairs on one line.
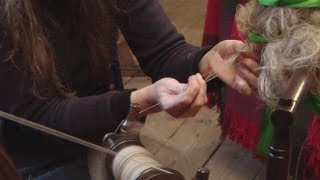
{"points": [[117, 142]]}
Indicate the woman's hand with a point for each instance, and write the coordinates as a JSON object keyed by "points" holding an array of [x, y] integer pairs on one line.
{"points": [[178, 99], [241, 76]]}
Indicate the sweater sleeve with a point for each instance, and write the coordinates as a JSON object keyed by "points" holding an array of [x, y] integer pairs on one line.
{"points": [[159, 48], [85, 117]]}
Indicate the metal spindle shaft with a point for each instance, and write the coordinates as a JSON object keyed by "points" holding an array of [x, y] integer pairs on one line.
{"points": [[282, 118]]}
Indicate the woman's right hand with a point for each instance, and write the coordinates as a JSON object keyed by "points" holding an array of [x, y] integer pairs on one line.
{"points": [[178, 99]]}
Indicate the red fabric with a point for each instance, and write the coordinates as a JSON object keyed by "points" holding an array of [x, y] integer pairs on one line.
{"points": [[312, 151], [240, 124], [241, 119], [240, 130], [212, 22], [219, 19], [219, 23]]}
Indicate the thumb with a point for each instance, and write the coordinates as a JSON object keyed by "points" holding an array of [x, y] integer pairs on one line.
{"points": [[230, 47]]}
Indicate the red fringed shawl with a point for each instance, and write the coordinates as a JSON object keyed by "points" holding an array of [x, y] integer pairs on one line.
{"points": [[242, 116]]}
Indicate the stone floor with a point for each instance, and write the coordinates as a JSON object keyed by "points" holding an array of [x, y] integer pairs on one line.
{"points": [[187, 144]]}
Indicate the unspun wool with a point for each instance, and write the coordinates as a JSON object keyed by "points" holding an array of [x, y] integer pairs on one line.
{"points": [[293, 42]]}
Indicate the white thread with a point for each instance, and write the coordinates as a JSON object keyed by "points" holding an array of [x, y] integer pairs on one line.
{"points": [[131, 161]]}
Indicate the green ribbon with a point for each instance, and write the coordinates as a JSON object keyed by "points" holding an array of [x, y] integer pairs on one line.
{"points": [[257, 38], [266, 133], [291, 3]]}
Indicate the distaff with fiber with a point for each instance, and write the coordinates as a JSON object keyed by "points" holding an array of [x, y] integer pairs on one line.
{"points": [[286, 34]]}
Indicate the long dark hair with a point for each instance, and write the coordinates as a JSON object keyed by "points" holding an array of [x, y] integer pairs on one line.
{"points": [[22, 25]]}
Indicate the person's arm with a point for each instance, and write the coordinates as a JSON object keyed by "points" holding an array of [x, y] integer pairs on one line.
{"points": [[93, 116], [163, 52], [159, 48], [84, 117]]}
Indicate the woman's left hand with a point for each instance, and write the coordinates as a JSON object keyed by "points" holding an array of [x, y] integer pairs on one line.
{"points": [[241, 76]]}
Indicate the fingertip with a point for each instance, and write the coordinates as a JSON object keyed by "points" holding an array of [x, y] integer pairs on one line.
{"points": [[239, 81], [246, 91], [200, 79], [242, 86]]}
